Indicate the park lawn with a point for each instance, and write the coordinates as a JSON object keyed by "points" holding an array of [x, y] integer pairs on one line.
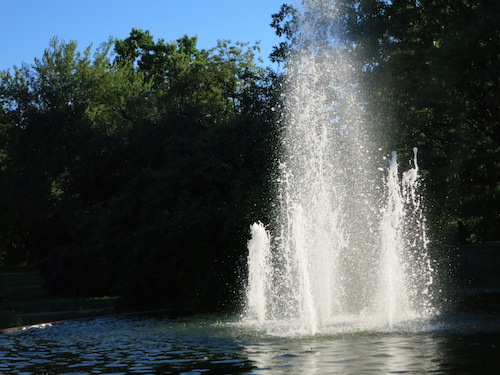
{"points": [[24, 300]]}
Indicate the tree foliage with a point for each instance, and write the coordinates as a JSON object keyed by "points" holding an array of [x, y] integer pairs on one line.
{"points": [[437, 65], [136, 170]]}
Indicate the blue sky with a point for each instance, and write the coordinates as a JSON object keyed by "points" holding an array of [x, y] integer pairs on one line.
{"points": [[27, 26]]}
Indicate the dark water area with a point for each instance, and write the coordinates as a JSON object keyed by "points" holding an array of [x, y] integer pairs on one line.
{"points": [[462, 341]]}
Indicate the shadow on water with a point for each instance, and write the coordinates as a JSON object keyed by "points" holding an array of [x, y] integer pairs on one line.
{"points": [[123, 344]]}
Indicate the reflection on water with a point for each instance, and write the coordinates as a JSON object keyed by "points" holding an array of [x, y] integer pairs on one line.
{"points": [[414, 354], [470, 344], [371, 355]]}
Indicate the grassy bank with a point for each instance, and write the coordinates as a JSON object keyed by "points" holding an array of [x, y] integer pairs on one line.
{"points": [[24, 301]]}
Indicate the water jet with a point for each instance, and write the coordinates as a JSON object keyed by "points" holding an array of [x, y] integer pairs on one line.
{"points": [[348, 248]]}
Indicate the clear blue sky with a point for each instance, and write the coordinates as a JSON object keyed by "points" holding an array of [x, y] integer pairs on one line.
{"points": [[27, 26]]}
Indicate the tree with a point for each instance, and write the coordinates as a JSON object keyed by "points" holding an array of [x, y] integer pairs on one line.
{"points": [[441, 59], [145, 162], [65, 120], [205, 86]]}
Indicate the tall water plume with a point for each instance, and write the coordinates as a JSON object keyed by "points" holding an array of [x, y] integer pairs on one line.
{"points": [[348, 248]]}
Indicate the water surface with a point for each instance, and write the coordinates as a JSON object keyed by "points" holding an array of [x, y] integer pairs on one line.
{"points": [[462, 343]]}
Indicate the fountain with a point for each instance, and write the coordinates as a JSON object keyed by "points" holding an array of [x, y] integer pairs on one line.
{"points": [[348, 247]]}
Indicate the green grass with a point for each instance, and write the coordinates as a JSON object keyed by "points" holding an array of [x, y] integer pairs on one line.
{"points": [[24, 300]]}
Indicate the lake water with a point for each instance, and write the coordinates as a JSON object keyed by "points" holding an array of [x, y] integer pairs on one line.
{"points": [[461, 342]]}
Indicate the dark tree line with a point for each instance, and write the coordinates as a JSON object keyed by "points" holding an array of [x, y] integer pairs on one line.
{"points": [[137, 169]]}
